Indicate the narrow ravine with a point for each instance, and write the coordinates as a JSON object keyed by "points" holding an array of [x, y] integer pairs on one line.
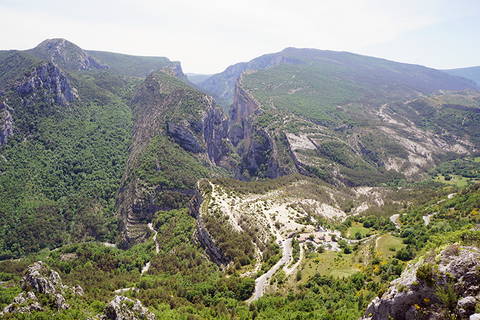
{"points": [[264, 280]]}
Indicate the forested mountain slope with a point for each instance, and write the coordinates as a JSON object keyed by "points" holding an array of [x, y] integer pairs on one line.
{"points": [[179, 137], [65, 128]]}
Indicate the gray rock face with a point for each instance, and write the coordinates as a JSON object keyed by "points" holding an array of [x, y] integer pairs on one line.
{"points": [[41, 280], [215, 132], [60, 302], [260, 159], [256, 147], [6, 123], [184, 137], [466, 306], [123, 308], [47, 83], [78, 290], [243, 106], [409, 298]]}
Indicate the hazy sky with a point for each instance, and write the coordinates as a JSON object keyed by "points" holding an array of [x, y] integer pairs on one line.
{"points": [[208, 35]]}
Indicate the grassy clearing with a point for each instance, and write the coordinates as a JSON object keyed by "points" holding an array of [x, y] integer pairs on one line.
{"points": [[456, 180], [387, 245], [477, 159], [358, 229], [329, 263]]}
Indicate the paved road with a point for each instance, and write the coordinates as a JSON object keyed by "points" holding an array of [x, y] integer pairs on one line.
{"points": [[264, 280]]}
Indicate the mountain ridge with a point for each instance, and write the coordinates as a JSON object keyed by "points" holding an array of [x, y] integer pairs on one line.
{"points": [[472, 73], [221, 85]]}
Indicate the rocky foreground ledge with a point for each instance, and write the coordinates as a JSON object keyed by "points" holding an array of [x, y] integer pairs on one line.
{"points": [[123, 308], [39, 280], [441, 286]]}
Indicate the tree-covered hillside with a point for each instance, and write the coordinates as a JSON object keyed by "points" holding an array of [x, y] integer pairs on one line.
{"points": [[67, 129]]}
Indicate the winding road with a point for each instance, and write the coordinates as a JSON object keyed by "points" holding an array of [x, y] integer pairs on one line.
{"points": [[264, 280], [146, 267]]}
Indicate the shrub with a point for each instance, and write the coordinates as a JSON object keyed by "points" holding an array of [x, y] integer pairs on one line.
{"points": [[425, 273]]}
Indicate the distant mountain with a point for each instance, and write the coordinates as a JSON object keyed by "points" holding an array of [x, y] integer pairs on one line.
{"points": [[346, 118], [196, 78], [472, 73], [136, 66], [338, 77]]}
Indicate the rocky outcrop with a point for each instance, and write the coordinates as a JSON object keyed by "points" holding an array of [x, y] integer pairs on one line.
{"points": [[175, 70], [25, 302], [207, 242], [66, 54], [40, 280], [259, 158], [48, 84], [254, 144], [441, 287], [123, 308], [6, 123], [244, 105]]}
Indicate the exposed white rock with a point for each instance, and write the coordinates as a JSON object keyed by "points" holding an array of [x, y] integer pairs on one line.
{"points": [[301, 142], [123, 308]]}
